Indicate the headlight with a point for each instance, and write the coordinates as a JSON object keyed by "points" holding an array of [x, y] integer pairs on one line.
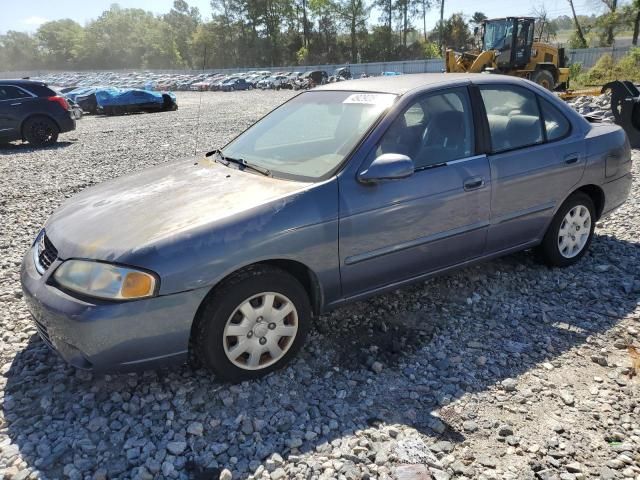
{"points": [[104, 280]]}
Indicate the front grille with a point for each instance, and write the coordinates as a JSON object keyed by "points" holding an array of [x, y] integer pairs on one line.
{"points": [[44, 334], [46, 252]]}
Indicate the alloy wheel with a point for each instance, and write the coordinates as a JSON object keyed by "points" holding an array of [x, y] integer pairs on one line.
{"points": [[42, 131]]}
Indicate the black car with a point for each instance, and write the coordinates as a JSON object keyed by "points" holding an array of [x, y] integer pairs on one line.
{"points": [[342, 73], [31, 111], [311, 79]]}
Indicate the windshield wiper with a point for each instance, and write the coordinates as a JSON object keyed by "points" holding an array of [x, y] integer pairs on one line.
{"points": [[241, 162]]}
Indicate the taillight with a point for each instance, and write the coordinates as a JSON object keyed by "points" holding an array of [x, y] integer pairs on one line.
{"points": [[60, 101]]}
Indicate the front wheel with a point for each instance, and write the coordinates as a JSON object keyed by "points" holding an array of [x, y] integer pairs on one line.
{"points": [[570, 233], [544, 78], [252, 324]]}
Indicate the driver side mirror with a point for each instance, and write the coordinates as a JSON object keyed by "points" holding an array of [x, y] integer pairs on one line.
{"points": [[388, 166]]}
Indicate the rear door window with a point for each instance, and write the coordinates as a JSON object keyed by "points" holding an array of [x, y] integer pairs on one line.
{"points": [[9, 92], [513, 115]]}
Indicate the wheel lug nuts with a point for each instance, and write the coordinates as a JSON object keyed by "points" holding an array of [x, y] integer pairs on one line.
{"points": [[259, 319], [272, 326], [263, 341], [250, 334]]}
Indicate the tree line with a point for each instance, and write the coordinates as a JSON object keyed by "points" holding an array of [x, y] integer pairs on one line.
{"points": [[601, 30], [247, 33]]}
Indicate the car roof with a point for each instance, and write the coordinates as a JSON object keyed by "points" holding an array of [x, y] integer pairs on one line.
{"points": [[401, 84], [508, 18], [21, 82]]}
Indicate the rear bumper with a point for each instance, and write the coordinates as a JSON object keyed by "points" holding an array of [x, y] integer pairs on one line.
{"points": [[616, 193], [110, 336], [66, 122]]}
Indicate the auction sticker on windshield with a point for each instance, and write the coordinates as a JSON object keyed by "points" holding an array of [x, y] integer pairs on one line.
{"points": [[370, 98]]}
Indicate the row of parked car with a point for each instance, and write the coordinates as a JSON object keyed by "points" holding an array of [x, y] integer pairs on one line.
{"points": [[264, 79]]}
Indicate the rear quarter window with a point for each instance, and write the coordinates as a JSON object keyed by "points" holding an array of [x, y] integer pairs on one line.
{"points": [[556, 124], [41, 90]]}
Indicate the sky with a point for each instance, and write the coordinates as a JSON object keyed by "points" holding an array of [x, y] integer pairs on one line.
{"points": [[29, 15]]}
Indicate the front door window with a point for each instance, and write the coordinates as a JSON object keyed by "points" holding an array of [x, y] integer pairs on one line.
{"points": [[433, 130]]}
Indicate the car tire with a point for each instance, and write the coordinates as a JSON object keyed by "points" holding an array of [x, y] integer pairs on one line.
{"points": [[235, 341], [571, 231], [544, 78], [250, 87], [40, 131]]}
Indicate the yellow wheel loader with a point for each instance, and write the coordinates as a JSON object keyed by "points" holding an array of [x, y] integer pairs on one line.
{"points": [[508, 47]]}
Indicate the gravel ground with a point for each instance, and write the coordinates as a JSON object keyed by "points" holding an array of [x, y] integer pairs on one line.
{"points": [[505, 370]]}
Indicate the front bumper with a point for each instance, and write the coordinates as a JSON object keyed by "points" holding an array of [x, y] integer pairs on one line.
{"points": [[110, 336]]}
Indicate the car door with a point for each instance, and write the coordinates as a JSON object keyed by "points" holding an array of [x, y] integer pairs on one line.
{"points": [[396, 230], [13, 102], [535, 161]]}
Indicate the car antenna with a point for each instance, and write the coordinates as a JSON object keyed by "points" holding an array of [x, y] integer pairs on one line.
{"points": [[195, 147]]}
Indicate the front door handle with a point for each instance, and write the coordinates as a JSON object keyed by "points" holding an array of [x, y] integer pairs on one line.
{"points": [[473, 183], [571, 158], [14, 104]]}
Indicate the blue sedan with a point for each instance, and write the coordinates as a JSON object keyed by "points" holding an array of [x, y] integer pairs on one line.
{"points": [[236, 84], [352, 189]]}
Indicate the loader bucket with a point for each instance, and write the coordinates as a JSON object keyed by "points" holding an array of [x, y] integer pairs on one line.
{"points": [[625, 106]]}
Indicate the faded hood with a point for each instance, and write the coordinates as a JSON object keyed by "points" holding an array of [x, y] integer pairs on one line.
{"points": [[117, 218]]}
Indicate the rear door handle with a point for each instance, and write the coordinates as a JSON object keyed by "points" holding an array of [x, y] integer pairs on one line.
{"points": [[473, 183], [14, 104], [572, 158]]}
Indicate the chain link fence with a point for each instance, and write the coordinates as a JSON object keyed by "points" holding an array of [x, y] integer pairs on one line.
{"points": [[586, 56]]}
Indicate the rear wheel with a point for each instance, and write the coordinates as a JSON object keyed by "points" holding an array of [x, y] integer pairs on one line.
{"points": [[570, 233], [252, 324], [544, 78], [40, 131]]}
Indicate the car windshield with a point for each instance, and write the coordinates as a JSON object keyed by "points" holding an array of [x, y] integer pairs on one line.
{"points": [[497, 35], [309, 136]]}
